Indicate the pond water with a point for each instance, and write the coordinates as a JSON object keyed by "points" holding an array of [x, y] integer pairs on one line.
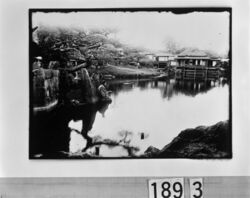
{"points": [[147, 113]]}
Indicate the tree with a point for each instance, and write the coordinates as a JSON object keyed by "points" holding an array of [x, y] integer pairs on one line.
{"points": [[172, 46], [63, 44], [104, 31]]}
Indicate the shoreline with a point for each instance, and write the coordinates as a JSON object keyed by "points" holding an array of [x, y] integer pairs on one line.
{"points": [[202, 142], [127, 72]]}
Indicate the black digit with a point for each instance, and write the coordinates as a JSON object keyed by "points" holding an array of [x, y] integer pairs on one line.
{"points": [[165, 189], [198, 188], [178, 190], [155, 189]]}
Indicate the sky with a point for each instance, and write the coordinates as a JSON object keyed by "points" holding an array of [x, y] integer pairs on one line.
{"points": [[150, 30]]}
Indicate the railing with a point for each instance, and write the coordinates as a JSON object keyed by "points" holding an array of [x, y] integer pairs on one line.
{"points": [[197, 72]]}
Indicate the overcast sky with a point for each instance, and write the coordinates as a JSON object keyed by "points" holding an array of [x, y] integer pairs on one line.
{"points": [[204, 30]]}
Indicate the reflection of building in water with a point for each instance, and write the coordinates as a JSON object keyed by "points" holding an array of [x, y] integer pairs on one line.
{"points": [[154, 84], [172, 87], [192, 88], [165, 86], [168, 91]]}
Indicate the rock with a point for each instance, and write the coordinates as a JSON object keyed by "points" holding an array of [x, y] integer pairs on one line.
{"points": [[87, 87], [81, 89], [103, 92], [45, 86], [152, 150], [201, 142]]}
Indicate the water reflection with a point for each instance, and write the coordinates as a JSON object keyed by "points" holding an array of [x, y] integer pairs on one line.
{"points": [[168, 87], [52, 133], [82, 122], [143, 113], [162, 109]]}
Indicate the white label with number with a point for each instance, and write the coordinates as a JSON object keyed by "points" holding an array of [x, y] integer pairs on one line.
{"points": [[196, 188], [166, 188]]}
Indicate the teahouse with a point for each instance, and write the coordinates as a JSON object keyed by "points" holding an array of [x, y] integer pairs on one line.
{"points": [[196, 58], [196, 64]]}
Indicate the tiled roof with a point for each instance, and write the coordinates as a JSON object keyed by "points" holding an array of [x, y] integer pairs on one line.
{"points": [[193, 57], [193, 53], [164, 54]]}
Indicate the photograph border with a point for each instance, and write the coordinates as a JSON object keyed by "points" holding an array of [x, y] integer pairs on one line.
{"points": [[175, 10]]}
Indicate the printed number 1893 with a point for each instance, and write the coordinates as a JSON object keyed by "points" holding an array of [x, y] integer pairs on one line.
{"points": [[166, 188]]}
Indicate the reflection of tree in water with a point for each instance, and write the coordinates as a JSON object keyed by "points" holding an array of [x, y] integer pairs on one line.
{"points": [[126, 136], [117, 86], [127, 85], [169, 87], [88, 114], [142, 84]]}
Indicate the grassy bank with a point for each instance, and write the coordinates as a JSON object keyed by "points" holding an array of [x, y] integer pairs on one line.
{"points": [[128, 71]]}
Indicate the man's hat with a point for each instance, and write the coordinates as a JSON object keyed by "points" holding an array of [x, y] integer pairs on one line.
{"points": [[38, 58]]}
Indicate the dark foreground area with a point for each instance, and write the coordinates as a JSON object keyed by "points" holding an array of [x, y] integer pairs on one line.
{"points": [[202, 142]]}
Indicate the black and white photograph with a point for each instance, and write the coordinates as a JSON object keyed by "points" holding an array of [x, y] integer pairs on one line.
{"points": [[130, 83], [128, 98]]}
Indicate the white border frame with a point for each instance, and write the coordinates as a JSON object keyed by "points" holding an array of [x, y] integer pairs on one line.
{"points": [[14, 100]]}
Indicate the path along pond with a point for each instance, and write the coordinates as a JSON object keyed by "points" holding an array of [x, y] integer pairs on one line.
{"points": [[147, 113]]}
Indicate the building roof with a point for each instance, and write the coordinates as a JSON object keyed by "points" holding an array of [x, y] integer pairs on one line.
{"points": [[192, 53], [146, 53], [194, 57], [164, 55]]}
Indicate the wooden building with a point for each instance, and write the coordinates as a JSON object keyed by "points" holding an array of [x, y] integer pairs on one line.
{"points": [[165, 60], [150, 56], [196, 64], [196, 58]]}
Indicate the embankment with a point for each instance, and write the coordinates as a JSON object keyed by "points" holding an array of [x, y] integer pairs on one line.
{"points": [[203, 142], [122, 72], [200, 142]]}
